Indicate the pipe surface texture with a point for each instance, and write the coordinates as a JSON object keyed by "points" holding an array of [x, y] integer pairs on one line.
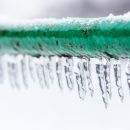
{"points": [[94, 37]]}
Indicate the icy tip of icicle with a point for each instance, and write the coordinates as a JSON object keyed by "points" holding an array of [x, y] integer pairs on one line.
{"points": [[65, 72]]}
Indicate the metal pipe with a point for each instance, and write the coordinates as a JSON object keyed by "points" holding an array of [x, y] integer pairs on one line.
{"points": [[67, 37]]}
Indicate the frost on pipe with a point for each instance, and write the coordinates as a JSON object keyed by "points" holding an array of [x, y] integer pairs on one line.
{"points": [[40, 50], [95, 37]]}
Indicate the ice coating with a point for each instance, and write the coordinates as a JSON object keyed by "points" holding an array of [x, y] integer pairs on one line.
{"points": [[6, 20], [72, 73], [92, 37]]}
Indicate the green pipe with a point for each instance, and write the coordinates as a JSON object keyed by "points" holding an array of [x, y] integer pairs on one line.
{"points": [[67, 37]]}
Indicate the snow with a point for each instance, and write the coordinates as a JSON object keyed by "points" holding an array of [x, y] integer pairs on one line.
{"points": [[5, 20]]}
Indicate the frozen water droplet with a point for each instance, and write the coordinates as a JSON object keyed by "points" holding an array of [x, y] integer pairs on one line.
{"points": [[117, 73], [100, 72], [68, 67], [59, 73], [80, 80]]}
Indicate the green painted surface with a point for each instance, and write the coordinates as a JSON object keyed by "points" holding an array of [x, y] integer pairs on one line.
{"points": [[84, 37]]}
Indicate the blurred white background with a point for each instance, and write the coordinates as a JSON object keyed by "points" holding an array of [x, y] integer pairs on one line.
{"points": [[62, 8], [37, 109]]}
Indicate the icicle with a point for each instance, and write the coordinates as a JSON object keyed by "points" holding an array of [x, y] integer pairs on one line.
{"points": [[68, 67], [87, 68], [128, 74], [59, 73], [24, 71], [40, 73], [75, 71], [107, 79], [31, 66], [50, 69], [45, 71], [13, 73], [1, 71], [80, 80], [100, 72], [117, 72]]}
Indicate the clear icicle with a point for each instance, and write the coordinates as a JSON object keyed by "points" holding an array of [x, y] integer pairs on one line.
{"points": [[59, 73], [13, 73], [80, 80], [40, 74], [50, 69], [31, 66], [68, 67], [107, 79], [84, 75], [100, 72], [10, 74], [128, 74], [24, 71], [75, 71], [45, 71], [87, 68], [1, 71], [117, 72]]}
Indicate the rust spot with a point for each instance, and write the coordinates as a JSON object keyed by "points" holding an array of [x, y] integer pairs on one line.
{"points": [[37, 55], [57, 43], [4, 32], [76, 46], [95, 30], [85, 31], [33, 47], [66, 55], [81, 46], [71, 45], [17, 44], [40, 46], [108, 54], [106, 45], [44, 34]]}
